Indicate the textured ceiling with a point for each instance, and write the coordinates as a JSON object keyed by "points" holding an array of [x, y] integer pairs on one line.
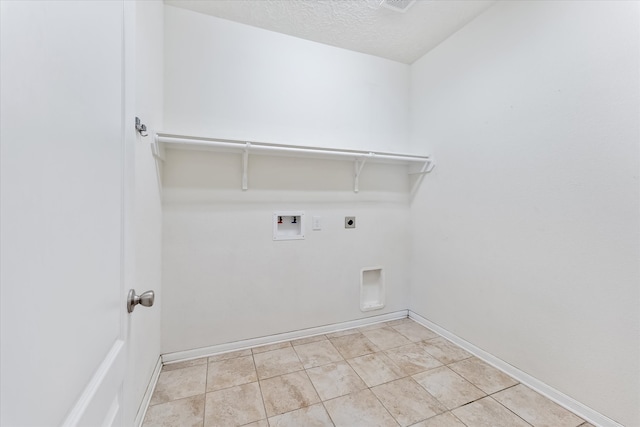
{"points": [[359, 25]]}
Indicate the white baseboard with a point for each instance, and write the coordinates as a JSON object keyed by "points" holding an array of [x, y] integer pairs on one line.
{"points": [[144, 405], [181, 356], [558, 397]]}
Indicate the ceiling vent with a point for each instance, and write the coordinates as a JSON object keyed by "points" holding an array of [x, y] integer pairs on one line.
{"points": [[398, 5]]}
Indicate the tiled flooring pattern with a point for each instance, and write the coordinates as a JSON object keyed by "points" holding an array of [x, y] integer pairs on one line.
{"points": [[396, 373]]}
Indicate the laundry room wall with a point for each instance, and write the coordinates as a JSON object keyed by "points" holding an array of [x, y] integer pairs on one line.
{"points": [[224, 277], [231, 80], [526, 235]]}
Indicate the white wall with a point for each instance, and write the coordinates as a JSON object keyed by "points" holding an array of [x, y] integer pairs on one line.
{"points": [[225, 79], [526, 235], [224, 278], [145, 322]]}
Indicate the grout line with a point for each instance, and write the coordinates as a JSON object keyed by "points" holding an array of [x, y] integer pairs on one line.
{"points": [[384, 407], [506, 388], [327, 411], [320, 398], [446, 411], [206, 383], [297, 355], [508, 409], [454, 415], [264, 406]]}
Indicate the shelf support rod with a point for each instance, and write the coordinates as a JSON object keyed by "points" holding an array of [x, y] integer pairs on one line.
{"points": [[245, 166], [263, 146], [358, 165]]}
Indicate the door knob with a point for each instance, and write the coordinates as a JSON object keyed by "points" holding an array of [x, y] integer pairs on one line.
{"points": [[145, 299]]}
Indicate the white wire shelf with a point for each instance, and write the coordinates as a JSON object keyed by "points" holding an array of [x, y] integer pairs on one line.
{"points": [[165, 141]]}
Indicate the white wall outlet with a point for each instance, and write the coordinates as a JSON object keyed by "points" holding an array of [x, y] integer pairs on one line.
{"points": [[316, 223]]}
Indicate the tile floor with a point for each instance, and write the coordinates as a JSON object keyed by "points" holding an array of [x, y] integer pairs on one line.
{"points": [[395, 373]]}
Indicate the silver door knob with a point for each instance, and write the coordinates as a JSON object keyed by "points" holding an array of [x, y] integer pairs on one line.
{"points": [[145, 299]]}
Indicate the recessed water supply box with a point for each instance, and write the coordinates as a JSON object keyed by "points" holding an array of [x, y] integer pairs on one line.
{"points": [[372, 288], [288, 225]]}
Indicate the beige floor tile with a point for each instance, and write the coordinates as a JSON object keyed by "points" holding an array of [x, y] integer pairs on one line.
{"points": [[398, 321], [386, 338], [185, 364], [287, 393], [361, 409], [375, 369], [335, 379], [415, 332], [234, 406], [230, 355], [412, 358], [180, 383], [308, 340], [351, 346], [535, 408], [443, 420], [291, 395], [372, 327], [487, 412], [271, 347], [317, 353], [183, 412], [342, 333], [407, 401], [231, 372], [311, 416], [482, 375], [448, 387], [277, 362], [445, 351]]}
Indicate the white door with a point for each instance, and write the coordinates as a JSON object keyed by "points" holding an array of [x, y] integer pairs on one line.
{"points": [[65, 206]]}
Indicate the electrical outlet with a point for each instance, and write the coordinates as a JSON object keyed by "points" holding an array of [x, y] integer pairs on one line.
{"points": [[349, 222]]}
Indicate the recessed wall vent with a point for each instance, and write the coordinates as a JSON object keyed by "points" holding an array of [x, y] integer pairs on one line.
{"points": [[398, 5]]}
